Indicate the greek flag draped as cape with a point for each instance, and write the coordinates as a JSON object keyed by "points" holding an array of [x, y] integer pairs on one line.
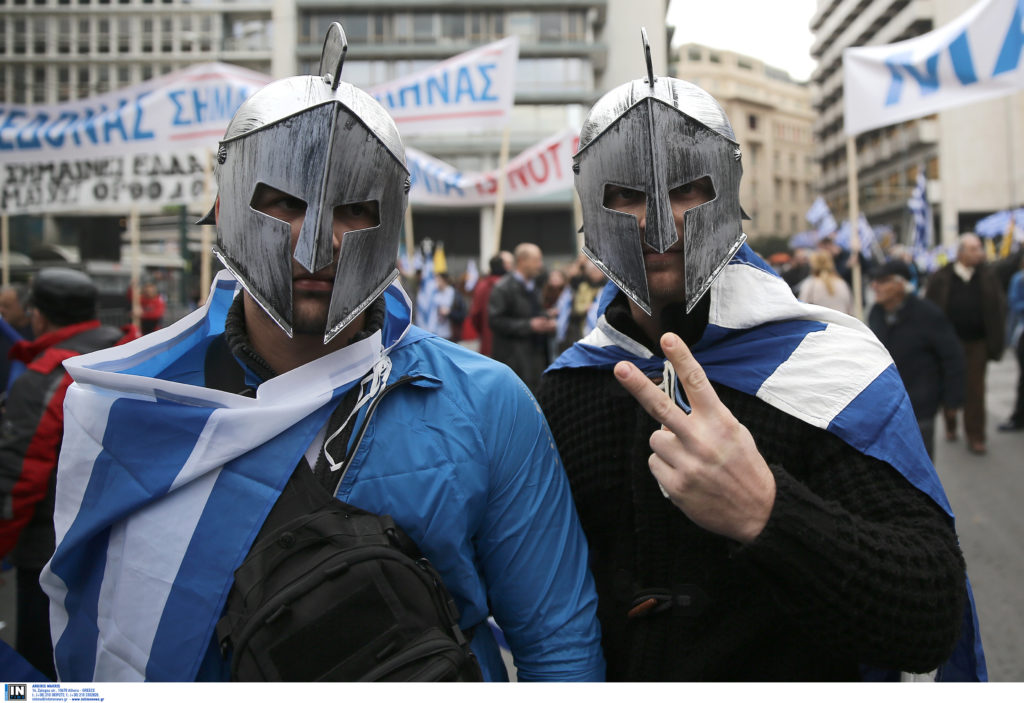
{"points": [[163, 485], [813, 363]]}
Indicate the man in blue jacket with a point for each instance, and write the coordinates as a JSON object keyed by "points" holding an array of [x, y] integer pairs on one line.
{"points": [[166, 479]]}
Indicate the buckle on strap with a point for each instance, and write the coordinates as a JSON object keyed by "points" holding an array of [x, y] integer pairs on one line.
{"points": [[682, 600]]}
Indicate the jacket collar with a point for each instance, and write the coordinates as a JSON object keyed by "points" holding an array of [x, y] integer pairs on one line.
{"points": [[27, 350]]}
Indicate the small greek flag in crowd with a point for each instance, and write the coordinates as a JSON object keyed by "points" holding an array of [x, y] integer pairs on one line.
{"points": [[564, 308], [864, 232], [821, 217], [425, 295], [472, 275], [918, 205]]}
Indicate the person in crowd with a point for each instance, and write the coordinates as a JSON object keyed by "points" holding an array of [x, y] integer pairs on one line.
{"points": [[16, 326], [476, 325], [824, 286], [969, 294], [304, 363], [152, 308], [738, 459], [1015, 336], [64, 324], [799, 269], [587, 284], [922, 343], [441, 307], [519, 323]]}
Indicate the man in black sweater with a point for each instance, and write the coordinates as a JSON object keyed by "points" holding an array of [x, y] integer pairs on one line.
{"points": [[922, 343], [800, 539]]}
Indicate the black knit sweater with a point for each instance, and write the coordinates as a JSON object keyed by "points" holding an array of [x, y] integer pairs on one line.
{"points": [[855, 565]]}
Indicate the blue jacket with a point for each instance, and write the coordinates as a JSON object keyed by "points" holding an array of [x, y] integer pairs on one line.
{"points": [[461, 458]]}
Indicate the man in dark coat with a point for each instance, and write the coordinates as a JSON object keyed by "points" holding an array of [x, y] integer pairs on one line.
{"points": [[970, 295], [923, 344], [65, 325], [519, 323]]}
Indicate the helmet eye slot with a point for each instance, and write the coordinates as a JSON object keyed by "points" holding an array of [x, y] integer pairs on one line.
{"points": [[690, 195], [624, 199], [358, 215], [277, 203]]}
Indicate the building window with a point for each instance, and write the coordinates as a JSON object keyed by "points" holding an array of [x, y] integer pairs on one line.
{"points": [[64, 35], [357, 28], [453, 25], [549, 26], [103, 36], [744, 64], [423, 27], [714, 58], [83, 81], [752, 121], [124, 35], [83, 36], [166, 36], [694, 54]]}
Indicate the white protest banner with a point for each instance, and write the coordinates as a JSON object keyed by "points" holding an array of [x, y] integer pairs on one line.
{"points": [[544, 168], [143, 146], [975, 57], [470, 92]]}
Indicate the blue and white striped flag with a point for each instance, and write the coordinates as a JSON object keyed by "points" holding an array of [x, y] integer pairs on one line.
{"points": [[865, 233], [918, 205], [163, 485], [821, 217], [787, 353], [472, 275], [425, 295], [564, 307]]}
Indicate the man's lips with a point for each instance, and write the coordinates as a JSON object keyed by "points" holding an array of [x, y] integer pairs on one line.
{"points": [[313, 283]]}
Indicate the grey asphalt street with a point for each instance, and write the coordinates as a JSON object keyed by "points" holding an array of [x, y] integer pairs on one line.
{"points": [[987, 495]]}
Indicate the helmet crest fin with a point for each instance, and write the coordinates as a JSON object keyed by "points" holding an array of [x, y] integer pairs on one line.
{"points": [[332, 57], [647, 57]]}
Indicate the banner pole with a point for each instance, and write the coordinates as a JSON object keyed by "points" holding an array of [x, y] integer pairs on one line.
{"points": [[5, 245], [851, 171], [133, 233], [409, 239], [499, 203]]}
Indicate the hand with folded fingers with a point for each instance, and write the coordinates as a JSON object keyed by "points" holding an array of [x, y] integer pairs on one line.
{"points": [[706, 461]]}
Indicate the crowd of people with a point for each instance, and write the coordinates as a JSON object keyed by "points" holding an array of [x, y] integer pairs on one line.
{"points": [[660, 478]]}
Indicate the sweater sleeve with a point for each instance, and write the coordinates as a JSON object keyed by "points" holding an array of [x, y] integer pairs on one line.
{"points": [[864, 561]]}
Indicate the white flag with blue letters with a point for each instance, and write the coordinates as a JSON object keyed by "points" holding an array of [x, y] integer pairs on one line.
{"points": [[975, 57]]}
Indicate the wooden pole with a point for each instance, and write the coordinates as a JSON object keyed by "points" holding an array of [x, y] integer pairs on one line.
{"points": [[5, 246], [409, 239], [499, 203], [851, 173], [133, 233]]}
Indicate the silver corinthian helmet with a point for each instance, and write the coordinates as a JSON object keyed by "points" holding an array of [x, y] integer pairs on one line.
{"points": [[328, 144], [653, 135]]}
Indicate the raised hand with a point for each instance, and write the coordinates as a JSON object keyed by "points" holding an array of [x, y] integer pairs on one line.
{"points": [[706, 461]]}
